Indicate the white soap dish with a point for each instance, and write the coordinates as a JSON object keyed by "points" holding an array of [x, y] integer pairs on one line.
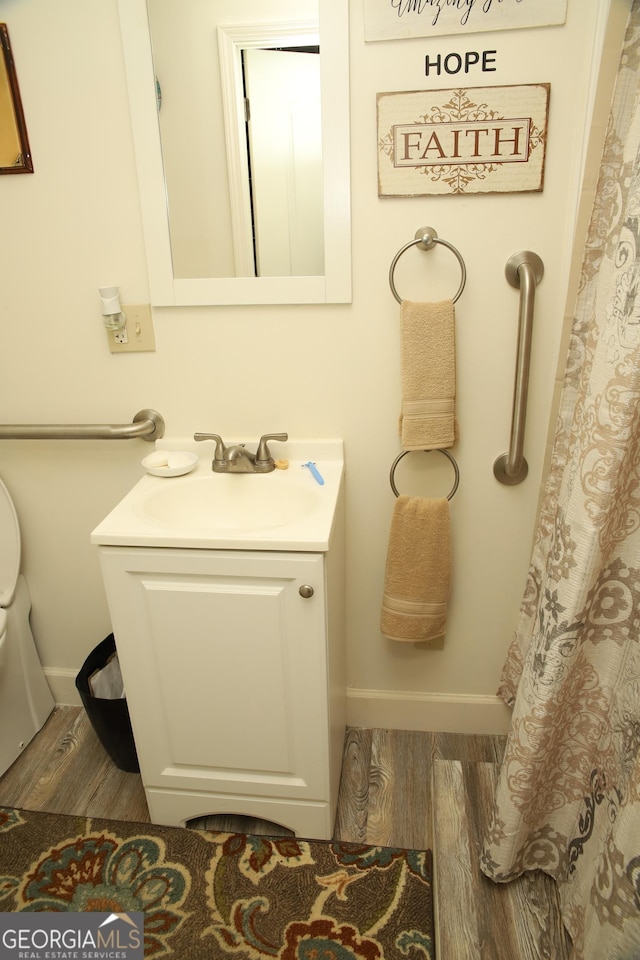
{"points": [[170, 463]]}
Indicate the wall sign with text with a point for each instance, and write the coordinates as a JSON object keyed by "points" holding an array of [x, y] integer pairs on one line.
{"points": [[467, 140], [398, 19]]}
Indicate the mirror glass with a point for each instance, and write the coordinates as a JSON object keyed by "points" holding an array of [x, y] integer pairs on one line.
{"points": [[15, 155], [241, 128]]}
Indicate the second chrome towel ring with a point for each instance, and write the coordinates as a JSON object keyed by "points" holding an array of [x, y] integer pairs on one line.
{"points": [[456, 469], [426, 238]]}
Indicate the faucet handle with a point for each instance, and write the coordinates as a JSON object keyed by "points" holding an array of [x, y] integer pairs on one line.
{"points": [[263, 454], [221, 454]]}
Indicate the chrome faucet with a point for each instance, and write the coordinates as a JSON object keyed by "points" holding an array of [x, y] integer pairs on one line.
{"points": [[237, 459]]}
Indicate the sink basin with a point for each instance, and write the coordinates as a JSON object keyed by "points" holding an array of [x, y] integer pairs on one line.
{"points": [[281, 510], [223, 502]]}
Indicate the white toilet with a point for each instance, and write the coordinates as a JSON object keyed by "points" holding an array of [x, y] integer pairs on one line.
{"points": [[25, 698]]}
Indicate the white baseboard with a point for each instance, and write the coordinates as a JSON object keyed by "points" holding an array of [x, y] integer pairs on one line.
{"points": [[62, 683], [437, 712], [384, 709]]}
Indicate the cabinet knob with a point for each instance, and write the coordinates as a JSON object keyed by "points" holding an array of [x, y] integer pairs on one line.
{"points": [[306, 591]]}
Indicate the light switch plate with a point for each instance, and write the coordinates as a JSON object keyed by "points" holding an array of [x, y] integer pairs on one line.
{"points": [[139, 331]]}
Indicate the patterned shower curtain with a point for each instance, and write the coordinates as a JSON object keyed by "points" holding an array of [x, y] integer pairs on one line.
{"points": [[568, 797]]}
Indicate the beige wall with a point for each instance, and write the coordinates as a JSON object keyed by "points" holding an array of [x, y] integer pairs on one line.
{"points": [[332, 370]]}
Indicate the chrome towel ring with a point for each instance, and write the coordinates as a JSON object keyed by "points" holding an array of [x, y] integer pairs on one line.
{"points": [[446, 453], [426, 238]]}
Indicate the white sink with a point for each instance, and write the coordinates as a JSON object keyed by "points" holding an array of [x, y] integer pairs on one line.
{"points": [[232, 502], [282, 510]]}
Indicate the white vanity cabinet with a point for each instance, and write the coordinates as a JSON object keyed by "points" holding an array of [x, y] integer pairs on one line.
{"points": [[233, 669]]}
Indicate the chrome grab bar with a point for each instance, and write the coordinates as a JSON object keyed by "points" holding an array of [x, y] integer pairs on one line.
{"points": [[524, 270], [147, 425]]}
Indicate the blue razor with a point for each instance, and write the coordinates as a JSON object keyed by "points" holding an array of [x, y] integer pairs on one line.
{"points": [[314, 472]]}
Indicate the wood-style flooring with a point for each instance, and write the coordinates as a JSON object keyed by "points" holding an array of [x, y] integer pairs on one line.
{"points": [[399, 788]]}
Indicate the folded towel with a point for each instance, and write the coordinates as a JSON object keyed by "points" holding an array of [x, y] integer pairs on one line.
{"points": [[428, 368], [418, 571]]}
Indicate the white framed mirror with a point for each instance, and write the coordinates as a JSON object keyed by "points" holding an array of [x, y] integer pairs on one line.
{"points": [[177, 276]]}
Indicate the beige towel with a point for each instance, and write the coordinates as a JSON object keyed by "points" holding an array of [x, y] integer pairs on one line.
{"points": [[428, 368], [418, 571]]}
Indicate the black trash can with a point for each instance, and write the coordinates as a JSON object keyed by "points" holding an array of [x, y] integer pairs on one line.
{"points": [[109, 717]]}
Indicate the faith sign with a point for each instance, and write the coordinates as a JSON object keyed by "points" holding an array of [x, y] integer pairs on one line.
{"points": [[461, 141], [398, 19]]}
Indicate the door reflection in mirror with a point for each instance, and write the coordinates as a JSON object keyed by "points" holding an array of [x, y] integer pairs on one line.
{"points": [[282, 97], [221, 222]]}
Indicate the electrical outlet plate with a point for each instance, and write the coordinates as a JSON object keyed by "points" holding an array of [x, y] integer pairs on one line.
{"points": [[137, 334]]}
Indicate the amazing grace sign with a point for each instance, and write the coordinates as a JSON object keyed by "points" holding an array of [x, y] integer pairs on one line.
{"points": [[397, 19]]}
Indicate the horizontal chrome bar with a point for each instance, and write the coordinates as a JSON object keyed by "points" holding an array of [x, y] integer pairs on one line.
{"points": [[524, 270], [147, 425]]}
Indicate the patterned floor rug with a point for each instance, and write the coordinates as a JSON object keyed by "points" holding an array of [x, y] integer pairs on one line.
{"points": [[220, 895]]}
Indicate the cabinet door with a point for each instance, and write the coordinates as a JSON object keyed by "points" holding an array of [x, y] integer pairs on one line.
{"points": [[225, 671]]}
